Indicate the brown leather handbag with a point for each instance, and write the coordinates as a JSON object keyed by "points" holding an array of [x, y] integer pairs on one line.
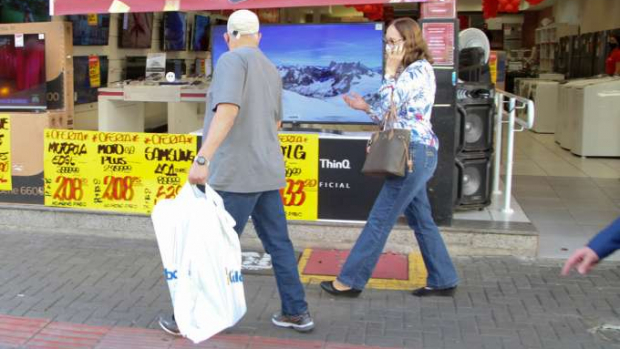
{"points": [[388, 150]]}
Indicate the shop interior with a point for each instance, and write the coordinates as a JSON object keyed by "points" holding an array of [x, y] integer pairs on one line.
{"points": [[566, 168]]}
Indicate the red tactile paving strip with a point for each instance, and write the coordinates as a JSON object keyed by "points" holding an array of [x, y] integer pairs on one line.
{"points": [[329, 263], [18, 332], [135, 338], [69, 336]]}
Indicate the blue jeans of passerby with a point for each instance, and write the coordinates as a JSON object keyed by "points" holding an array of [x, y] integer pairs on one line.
{"points": [[402, 194], [269, 220]]}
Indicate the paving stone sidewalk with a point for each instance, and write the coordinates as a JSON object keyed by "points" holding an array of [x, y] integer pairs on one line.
{"points": [[502, 302]]}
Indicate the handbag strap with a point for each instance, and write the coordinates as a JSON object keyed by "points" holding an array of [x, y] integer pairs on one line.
{"points": [[390, 116]]}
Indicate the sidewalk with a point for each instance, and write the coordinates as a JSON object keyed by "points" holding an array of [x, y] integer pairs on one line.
{"points": [[18, 332], [502, 303]]}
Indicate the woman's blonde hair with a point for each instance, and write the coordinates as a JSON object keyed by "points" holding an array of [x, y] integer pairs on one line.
{"points": [[415, 45]]}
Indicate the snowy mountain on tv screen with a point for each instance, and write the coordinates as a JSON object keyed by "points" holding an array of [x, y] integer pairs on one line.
{"points": [[315, 92]]}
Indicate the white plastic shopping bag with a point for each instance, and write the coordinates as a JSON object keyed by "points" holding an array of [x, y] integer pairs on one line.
{"points": [[201, 255]]}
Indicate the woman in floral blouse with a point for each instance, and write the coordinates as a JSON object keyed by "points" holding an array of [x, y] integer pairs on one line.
{"points": [[409, 84]]}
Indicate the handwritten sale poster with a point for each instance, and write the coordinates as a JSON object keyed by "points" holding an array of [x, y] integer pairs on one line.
{"points": [[5, 153], [124, 172], [301, 157]]}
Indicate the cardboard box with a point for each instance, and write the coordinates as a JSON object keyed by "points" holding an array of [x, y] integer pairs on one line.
{"points": [[27, 136], [58, 63]]}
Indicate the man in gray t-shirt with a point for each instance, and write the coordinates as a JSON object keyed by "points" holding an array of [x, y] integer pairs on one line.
{"points": [[242, 159]]}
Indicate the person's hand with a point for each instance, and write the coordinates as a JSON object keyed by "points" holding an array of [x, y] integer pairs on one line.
{"points": [[394, 59], [584, 259], [198, 174], [356, 101]]}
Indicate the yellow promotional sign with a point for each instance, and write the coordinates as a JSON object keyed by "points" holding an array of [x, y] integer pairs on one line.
{"points": [[124, 172], [301, 156], [94, 71], [6, 183], [93, 20], [493, 66]]}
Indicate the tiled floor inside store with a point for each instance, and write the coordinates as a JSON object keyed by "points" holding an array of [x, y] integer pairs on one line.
{"points": [[568, 199]]}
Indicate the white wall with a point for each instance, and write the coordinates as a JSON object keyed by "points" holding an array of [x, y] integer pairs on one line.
{"points": [[590, 15]]}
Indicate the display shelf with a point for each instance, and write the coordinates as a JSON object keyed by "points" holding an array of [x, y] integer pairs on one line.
{"points": [[547, 39]]}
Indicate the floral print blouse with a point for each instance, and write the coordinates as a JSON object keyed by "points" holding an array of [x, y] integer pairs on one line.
{"points": [[414, 94]]}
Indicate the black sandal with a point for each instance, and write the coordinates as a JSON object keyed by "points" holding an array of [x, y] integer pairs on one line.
{"points": [[328, 286], [427, 292]]}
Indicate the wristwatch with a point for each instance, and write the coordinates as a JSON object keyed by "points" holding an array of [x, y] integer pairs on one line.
{"points": [[202, 161]]}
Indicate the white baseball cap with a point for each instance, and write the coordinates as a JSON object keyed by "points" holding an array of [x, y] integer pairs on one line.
{"points": [[243, 22]]}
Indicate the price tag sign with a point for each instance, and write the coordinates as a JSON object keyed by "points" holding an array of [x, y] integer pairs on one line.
{"points": [[94, 71], [167, 160], [301, 157], [123, 172], [67, 167], [93, 19], [6, 183]]}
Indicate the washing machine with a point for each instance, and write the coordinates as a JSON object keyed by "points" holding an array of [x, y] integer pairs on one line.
{"points": [[566, 110], [597, 119], [545, 97]]}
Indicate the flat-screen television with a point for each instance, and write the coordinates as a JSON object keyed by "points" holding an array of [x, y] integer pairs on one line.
{"points": [[22, 72], [200, 34], [136, 30], [90, 30], [330, 61], [24, 11], [84, 93], [135, 68], [175, 28]]}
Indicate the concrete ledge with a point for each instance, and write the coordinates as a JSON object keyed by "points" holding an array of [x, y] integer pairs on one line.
{"points": [[462, 239]]}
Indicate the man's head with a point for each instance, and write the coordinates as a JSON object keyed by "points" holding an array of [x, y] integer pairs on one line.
{"points": [[243, 30]]}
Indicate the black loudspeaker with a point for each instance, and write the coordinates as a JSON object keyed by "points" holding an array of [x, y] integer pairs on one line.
{"points": [[474, 145], [475, 112], [472, 175], [472, 66]]}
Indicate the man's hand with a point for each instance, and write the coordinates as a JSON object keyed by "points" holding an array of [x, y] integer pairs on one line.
{"points": [[198, 174], [584, 259]]}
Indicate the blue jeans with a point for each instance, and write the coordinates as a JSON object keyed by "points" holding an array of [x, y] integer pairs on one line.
{"points": [[269, 220], [402, 194]]}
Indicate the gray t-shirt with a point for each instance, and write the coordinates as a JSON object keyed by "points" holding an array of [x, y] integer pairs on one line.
{"points": [[250, 159]]}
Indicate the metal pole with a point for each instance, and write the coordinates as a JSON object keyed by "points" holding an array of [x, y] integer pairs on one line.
{"points": [[499, 115], [509, 154]]}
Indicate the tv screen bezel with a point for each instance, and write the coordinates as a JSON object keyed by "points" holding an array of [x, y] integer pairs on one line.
{"points": [[305, 122], [121, 30], [104, 76], [195, 28], [39, 108], [163, 32], [99, 26]]}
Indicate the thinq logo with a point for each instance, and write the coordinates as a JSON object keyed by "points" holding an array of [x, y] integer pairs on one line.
{"points": [[233, 276]]}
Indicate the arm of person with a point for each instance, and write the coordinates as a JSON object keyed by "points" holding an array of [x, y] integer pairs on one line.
{"points": [[601, 246], [617, 72], [607, 241], [222, 123]]}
